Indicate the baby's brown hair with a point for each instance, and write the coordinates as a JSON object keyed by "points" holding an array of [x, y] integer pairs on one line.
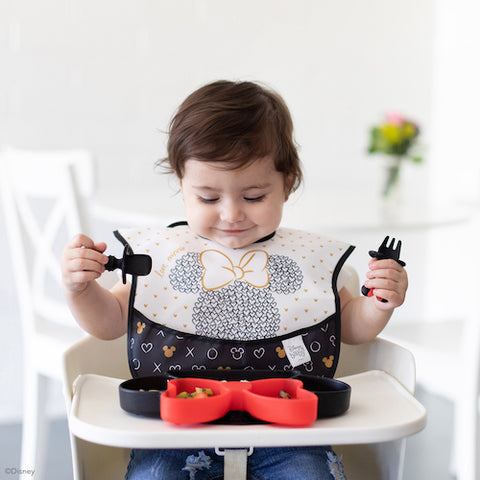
{"points": [[234, 123]]}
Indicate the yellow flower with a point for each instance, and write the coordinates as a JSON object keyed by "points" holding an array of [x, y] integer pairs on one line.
{"points": [[391, 133]]}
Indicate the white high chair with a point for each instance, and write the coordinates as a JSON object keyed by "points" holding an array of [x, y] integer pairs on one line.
{"points": [[102, 434], [41, 195], [371, 435]]}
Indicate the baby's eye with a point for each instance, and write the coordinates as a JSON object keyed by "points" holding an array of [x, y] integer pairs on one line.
{"points": [[254, 199], [208, 200]]}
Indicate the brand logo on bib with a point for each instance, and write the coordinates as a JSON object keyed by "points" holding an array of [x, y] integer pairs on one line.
{"points": [[296, 351]]}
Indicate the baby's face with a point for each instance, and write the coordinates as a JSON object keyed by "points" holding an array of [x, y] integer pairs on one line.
{"points": [[233, 207]]}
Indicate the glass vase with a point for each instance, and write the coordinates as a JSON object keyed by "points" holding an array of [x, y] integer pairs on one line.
{"points": [[391, 184]]}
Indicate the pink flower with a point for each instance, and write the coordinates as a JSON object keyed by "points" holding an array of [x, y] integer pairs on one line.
{"points": [[394, 118]]}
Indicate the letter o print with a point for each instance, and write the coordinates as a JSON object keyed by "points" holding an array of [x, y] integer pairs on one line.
{"points": [[212, 354]]}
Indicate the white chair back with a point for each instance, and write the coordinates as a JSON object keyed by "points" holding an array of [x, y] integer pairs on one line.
{"points": [[41, 193]]}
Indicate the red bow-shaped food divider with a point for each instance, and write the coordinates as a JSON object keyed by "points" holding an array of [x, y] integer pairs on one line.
{"points": [[274, 400]]}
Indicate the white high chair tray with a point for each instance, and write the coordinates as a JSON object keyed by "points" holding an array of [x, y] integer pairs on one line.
{"points": [[381, 409]]}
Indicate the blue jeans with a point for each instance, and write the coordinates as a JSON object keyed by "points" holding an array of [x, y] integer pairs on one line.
{"points": [[286, 463]]}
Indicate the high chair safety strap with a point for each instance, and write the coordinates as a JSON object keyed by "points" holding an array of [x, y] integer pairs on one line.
{"points": [[235, 462]]}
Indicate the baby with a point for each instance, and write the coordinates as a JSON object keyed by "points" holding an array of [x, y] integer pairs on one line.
{"points": [[229, 287]]}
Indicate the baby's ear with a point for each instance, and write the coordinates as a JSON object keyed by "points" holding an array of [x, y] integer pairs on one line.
{"points": [[288, 185]]}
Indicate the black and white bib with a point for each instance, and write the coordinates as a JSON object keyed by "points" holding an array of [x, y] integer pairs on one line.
{"points": [[271, 305]]}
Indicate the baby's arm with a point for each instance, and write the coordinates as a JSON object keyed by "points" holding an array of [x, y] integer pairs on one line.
{"points": [[101, 312], [363, 318]]}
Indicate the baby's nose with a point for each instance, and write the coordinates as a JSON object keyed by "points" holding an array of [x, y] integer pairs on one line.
{"points": [[232, 212]]}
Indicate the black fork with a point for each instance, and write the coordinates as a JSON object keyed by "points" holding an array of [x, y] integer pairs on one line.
{"points": [[385, 251]]}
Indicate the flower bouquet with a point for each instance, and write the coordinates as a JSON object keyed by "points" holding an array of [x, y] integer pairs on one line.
{"points": [[395, 137]]}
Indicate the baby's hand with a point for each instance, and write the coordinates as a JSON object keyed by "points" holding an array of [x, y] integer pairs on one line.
{"points": [[82, 262], [389, 281]]}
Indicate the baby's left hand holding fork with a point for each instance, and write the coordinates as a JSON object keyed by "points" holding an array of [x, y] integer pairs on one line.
{"points": [[388, 280]]}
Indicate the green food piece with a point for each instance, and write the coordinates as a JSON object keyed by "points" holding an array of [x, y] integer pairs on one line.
{"points": [[208, 391]]}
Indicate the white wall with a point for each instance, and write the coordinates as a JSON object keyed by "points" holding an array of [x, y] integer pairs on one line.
{"points": [[454, 169], [107, 76]]}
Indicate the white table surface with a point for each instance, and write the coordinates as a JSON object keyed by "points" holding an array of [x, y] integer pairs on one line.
{"points": [[381, 409]]}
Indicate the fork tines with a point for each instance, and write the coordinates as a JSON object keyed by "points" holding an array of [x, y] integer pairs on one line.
{"points": [[390, 251]]}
